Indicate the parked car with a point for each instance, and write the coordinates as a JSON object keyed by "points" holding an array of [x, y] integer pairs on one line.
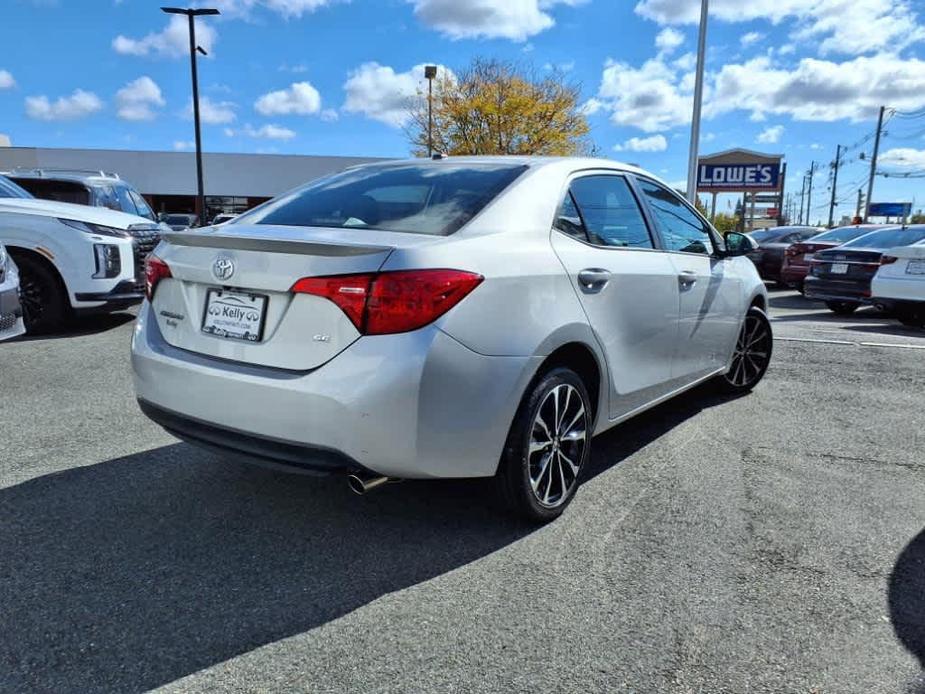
{"points": [[899, 285], [180, 221], [466, 317], [11, 323], [798, 257], [769, 258], [841, 276], [95, 188], [222, 218], [72, 257]]}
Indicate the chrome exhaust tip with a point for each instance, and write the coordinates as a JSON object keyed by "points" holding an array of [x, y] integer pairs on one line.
{"points": [[363, 484]]}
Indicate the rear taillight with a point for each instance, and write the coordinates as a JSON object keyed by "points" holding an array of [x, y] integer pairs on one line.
{"points": [[155, 270], [888, 259], [792, 251], [392, 302]]}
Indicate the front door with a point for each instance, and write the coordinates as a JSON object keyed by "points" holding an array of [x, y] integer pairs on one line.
{"points": [[628, 288], [710, 289]]}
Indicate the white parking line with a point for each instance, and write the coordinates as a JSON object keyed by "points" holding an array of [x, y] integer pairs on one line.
{"points": [[847, 343]]}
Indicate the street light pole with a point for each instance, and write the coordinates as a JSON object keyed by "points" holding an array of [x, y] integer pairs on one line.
{"points": [[698, 103], [191, 16], [430, 71]]}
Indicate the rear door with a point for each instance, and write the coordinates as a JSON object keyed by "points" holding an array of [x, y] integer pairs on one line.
{"points": [[627, 286], [710, 286]]}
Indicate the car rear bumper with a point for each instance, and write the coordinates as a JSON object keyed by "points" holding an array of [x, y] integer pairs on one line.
{"points": [[414, 405], [794, 274], [837, 290]]}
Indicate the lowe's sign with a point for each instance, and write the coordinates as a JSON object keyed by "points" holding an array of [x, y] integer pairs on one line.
{"points": [[738, 177]]}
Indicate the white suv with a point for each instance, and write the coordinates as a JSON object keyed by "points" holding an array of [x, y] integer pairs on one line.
{"points": [[73, 257], [11, 323]]}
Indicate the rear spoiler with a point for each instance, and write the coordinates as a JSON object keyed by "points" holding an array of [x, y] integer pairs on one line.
{"points": [[250, 243]]}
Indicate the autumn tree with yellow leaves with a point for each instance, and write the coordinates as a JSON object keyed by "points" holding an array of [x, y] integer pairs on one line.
{"points": [[496, 107]]}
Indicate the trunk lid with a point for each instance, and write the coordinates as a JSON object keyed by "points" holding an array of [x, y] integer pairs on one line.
{"points": [[255, 267]]}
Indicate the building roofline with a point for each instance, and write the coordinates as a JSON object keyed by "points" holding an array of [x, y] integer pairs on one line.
{"points": [[740, 150]]}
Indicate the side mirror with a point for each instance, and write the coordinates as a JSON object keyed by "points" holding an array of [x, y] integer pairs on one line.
{"points": [[739, 244]]}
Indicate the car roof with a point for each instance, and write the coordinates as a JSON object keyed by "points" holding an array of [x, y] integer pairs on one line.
{"points": [[92, 178], [514, 160]]}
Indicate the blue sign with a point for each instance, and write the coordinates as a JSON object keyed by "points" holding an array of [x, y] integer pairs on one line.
{"points": [[738, 177], [890, 209]]}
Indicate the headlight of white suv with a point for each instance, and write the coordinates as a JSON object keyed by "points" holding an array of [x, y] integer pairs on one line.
{"points": [[91, 228]]}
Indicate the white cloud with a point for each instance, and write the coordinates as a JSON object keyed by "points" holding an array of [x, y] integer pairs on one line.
{"points": [[213, 112], [771, 135], [656, 143], [264, 132], [6, 80], [750, 38], [657, 96], [835, 26], [171, 42], [668, 39], [329, 115], [300, 98], [380, 93], [508, 19], [78, 105], [183, 145], [5, 140], [903, 158], [287, 8], [138, 100]]}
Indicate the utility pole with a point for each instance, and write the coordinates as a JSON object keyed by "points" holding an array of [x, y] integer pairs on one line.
{"points": [[809, 194], [873, 164], [694, 154], [834, 187], [802, 199], [430, 71], [191, 16]]}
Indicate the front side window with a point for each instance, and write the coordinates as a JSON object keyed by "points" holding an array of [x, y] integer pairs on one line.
{"points": [[606, 207], [436, 199], [8, 189], [682, 230]]}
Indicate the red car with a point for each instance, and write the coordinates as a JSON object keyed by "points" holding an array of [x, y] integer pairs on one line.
{"points": [[798, 256]]}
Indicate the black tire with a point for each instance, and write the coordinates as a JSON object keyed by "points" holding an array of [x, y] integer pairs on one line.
{"points": [[41, 294], [842, 308], [752, 354], [520, 470]]}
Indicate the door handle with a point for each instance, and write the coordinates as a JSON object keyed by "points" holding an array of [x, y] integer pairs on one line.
{"points": [[687, 278], [593, 279]]}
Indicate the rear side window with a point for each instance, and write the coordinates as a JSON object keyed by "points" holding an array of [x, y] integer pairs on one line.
{"points": [[603, 209], [61, 191], [435, 199], [681, 229]]}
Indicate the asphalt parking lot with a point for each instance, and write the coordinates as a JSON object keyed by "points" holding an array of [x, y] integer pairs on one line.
{"points": [[771, 543]]}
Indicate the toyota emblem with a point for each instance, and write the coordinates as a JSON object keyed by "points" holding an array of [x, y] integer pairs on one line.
{"points": [[223, 268]]}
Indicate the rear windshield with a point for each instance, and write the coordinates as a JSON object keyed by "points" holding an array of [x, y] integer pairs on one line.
{"points": [[435, 199], [766, 236], [889, 238], [841, 234]]}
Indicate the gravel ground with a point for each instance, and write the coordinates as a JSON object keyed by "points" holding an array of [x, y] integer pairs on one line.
{"points": [[771, 543]]}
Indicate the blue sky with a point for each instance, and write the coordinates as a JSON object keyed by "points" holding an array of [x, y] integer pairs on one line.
{"points": [[795, 77]]}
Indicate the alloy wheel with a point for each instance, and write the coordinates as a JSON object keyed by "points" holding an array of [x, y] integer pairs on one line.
{"points": [[557, 445], [31, 297], [752, 353]]}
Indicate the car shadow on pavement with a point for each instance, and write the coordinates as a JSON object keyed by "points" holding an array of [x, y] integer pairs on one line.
{"points": [[906, 595], [81, 326], [132, 573]]}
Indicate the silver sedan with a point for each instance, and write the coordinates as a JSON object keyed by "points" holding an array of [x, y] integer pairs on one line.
{"points": [[465, 317]]}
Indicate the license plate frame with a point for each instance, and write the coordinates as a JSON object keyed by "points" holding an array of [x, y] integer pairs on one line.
{"points": [[916, 266], [839, 269], [241, 327]]}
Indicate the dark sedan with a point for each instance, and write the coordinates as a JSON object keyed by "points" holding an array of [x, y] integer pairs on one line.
{"points": [[769, 256], [798, 257], [841, 276]]}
